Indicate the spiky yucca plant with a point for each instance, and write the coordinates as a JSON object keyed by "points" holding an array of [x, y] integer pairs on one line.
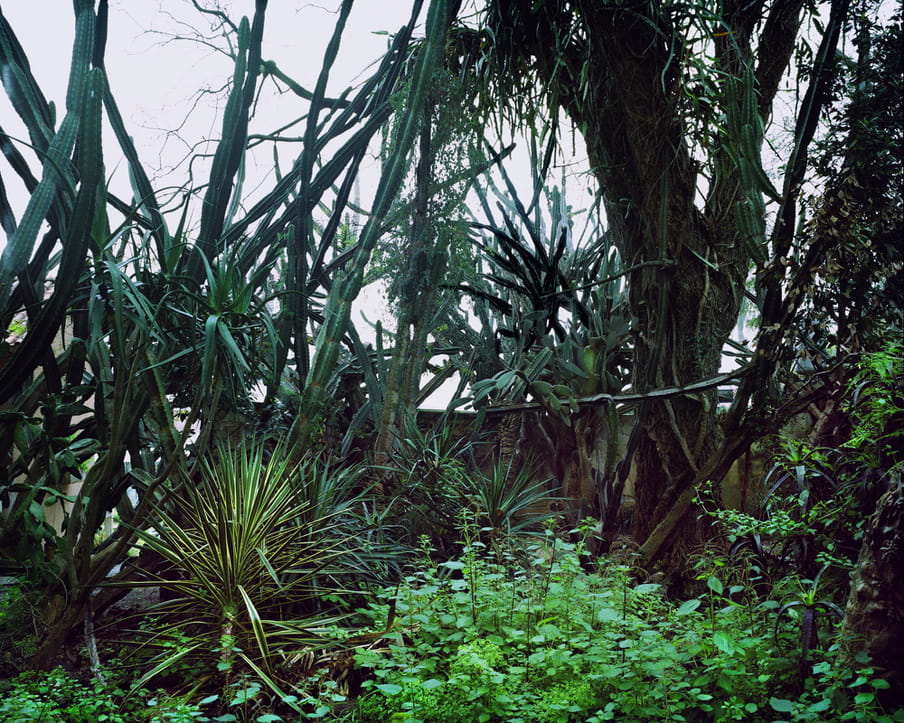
{"points": [[245, 558], [510, 499]]}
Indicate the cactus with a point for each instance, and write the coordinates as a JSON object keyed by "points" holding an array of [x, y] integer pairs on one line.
{"points": [[337, 310], [36, 114], [83, 123]]}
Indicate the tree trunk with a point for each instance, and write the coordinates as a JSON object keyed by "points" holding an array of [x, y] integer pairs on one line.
{"points": [[629, 77], [64, 616], [687, 300], [874, 616]]}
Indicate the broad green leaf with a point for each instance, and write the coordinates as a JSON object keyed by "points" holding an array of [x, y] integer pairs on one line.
{"points": [[781, 705], [723, 642], [389, 689], [36, 511], [688, 606]]}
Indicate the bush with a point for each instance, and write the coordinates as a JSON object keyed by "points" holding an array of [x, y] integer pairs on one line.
{"points": [[59, 697]]}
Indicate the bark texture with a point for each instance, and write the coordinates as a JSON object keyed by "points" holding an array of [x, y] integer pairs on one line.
{"points": [[623, 72], [874, 616]]}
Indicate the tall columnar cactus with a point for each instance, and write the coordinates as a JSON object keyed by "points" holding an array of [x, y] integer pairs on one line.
{"points": [[82, 123], [37, 115], [231, 148], [337, 310]]}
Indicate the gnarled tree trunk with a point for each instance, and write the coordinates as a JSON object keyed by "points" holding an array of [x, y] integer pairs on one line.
{"points": [[874, 616], [623, 72]]}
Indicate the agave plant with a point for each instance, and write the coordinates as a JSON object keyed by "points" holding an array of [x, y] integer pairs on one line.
{"points": [[509, 500]]}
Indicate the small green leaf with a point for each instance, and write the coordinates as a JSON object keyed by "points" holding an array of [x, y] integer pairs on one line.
{"points": [[715, 584], [36, 511], [781, 705], [688, 606], [431, 684], [723, 642], [389, 688]]}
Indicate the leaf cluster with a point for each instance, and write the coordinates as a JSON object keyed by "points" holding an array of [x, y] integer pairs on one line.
{"points": [[491, 638]]}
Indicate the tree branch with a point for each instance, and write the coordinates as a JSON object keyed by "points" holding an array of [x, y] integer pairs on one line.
{"points": [[665, 393]]}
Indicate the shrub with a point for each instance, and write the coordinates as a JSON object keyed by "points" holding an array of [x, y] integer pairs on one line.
{"points": [[484, 637], [59, 697]]}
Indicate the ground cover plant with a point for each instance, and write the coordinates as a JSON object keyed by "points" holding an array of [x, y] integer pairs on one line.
{"points": [[511, 627], [531, 634]]}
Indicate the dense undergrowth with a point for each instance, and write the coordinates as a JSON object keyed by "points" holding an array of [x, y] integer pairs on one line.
{"points": [[289, 593], [513, 632], [551, 637]]}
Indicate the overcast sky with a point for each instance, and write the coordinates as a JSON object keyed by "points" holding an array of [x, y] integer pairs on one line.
{"points": [[155, 76]]}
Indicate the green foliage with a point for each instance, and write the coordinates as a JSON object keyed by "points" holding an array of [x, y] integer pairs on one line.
{"points": [[857, 299], [844, 695], [534, 636], [257, 549], [18, 612], [431, 468], [549, 286], [55, 697], [820, 497], [59, 697], [877, 409], [250, 549], [47, 461], [128, 321], [424, 244], [507, 501], [438, 477]]}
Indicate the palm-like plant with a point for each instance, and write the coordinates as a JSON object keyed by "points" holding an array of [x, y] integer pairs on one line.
{"points": [[508, 501], [246, 554]]}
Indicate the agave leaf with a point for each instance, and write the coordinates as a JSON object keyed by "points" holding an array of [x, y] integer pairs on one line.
{"points": [[271, 684], [163, 665]]}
